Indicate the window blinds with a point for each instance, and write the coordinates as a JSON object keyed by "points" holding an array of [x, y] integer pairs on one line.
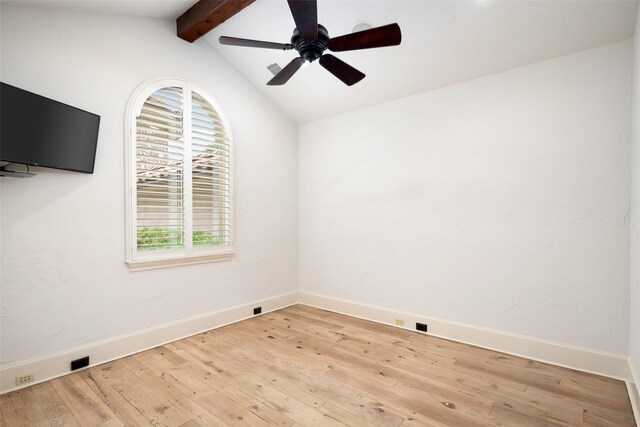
{"points": [[160, 171], [168, 205], [210, 175]]}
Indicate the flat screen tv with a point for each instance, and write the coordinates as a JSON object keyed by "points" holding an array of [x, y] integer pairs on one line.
{"points": [[39, 131]]}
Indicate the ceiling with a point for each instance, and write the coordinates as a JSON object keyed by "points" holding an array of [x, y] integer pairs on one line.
{"points": [[148, 8], [444, 42]]}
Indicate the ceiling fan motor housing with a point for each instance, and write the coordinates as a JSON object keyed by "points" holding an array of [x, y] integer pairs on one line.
{"points": [[310, 50]]}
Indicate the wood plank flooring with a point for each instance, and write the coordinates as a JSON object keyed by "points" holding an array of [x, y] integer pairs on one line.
{"points": [[302, 366]]}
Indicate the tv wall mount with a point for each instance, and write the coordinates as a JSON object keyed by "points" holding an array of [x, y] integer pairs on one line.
{"points": [[14, 174]]}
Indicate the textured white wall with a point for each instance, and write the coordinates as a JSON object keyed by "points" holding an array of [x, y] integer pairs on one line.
{"points": [[64, 281], [499, 202], [634, 239]]}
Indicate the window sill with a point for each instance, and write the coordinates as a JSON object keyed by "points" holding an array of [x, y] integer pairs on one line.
{"points": [[152, 264]]}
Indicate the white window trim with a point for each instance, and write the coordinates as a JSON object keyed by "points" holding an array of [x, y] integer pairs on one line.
{"points": [[145, 261]]}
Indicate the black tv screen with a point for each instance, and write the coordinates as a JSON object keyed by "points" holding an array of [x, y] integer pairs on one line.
{"points": [[39, 131]]}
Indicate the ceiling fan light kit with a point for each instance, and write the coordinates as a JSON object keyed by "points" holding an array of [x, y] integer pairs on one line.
{"points": [[311, 40]]}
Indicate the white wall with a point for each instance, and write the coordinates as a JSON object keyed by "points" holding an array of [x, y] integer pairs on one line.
{"points": [[634, 240], [64, 280], [499, 202]]}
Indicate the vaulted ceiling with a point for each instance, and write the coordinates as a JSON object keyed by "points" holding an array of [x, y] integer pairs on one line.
{"points": [[444, 42]]}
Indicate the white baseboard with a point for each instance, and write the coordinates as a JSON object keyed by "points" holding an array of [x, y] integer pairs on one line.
{"points": [[633, 387], [582, 359], [58, 364]]}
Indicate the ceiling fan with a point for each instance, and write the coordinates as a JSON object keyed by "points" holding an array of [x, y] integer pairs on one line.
{"points": [[311, 39]]}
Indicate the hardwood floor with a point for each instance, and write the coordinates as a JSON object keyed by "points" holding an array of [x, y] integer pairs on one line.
{"points": [[303, 366]]}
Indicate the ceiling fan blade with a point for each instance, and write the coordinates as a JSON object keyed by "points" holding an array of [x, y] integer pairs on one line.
{"points": [[234, 41], [341, 69], [388, 35], [287, 72], [305, 14]]}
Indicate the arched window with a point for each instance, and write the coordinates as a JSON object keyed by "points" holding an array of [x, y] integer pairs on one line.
{"points": [[179, 177]]}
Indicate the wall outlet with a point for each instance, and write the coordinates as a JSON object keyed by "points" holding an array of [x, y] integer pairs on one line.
{"points": [[399, 322], [79, 363], [421, 327], [24, 379], [257, 310]]}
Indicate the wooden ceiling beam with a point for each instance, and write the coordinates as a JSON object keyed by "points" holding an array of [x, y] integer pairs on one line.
{"points": [[206, 15]]}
